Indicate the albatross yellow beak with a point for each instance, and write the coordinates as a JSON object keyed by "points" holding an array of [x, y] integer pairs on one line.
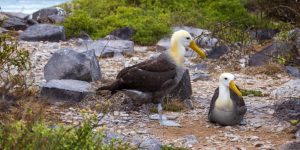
{"points": [[233, 87], [198, 50]]}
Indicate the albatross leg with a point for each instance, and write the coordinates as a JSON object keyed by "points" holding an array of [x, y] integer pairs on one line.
{"points": [[165, 122], [159, 109]]}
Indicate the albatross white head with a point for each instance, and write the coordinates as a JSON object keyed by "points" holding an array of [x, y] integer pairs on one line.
{"points": [[226, 81], [179, 42]]}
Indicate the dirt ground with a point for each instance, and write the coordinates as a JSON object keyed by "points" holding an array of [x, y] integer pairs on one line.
{"points": [[262, 131]]}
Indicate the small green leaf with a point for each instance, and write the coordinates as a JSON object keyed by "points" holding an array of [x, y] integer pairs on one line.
{"points": [[294, 122]]}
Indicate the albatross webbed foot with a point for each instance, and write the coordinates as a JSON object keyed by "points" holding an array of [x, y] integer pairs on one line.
{"points": [[165, 121], [243, 122]]}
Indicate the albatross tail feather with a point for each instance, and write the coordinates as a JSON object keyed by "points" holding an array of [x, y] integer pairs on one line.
{"points": [[112, 87]]}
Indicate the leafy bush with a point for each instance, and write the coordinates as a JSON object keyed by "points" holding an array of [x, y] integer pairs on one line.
{"points": [[252, 92], [149, 25], [231, 11], [14, 64], [83, 21], [2, 18], [151, 19], [43, 136], [168, 147], [101, 18]]}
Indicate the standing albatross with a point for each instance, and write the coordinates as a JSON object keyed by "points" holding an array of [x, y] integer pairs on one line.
{"points": [[227, 106], [151, 80]]}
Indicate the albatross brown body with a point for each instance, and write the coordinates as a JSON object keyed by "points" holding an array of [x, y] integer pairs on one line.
{"points": [[156, 77]]}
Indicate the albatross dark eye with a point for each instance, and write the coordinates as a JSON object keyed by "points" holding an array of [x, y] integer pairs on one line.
{"points": [[225, 78], [188, 38]]}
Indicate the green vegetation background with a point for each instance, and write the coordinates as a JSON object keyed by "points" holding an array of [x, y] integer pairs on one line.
{"points": [[152, 19]]}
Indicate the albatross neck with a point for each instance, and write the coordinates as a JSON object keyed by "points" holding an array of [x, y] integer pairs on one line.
{"points": [[224, 92], [177, 52]]}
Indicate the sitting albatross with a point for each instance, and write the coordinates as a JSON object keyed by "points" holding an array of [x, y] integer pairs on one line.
{"points": [[227, 106], [153, 79]]}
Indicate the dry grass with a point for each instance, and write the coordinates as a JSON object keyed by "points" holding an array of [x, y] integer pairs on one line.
{"points": [[169, 105], [153, 109], [103, 102], [268, 69], [29, 110], [174, 105]]}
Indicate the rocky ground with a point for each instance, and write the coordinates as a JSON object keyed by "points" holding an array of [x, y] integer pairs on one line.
{"points": [[267, 117], [263, 130]]}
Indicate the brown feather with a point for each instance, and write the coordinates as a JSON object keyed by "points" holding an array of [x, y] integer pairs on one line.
{"points": [[147, 76]]}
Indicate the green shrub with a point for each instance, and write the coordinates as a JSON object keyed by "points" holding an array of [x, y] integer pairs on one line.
{"points": [[168, 147], [101, 18], [149, 26], [152, 19], [228, 33], [14, 64], [43, 136], [2, 18], [182, 12], [11, 55], [252, 92], [80, 21], [232, 11]]}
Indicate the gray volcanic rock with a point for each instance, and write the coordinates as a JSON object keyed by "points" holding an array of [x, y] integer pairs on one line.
{"points": [[107, 48], [294, 145], [163, 44], [147, 144], [95, 70], [124, 33], [297, 135], [44, 32], [193, 31], [200, 76], [263, 34], [217, 51], [16, 14], [272, 51], [150, 144], [289, 89], [294, 71], [69, 64], [109, 136], [190, 140], [56, 18], [207, 42], [42, 16], [15, 23], [65, 90], [199, 66], [2, 30], [184, 88], [294, 36]]}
